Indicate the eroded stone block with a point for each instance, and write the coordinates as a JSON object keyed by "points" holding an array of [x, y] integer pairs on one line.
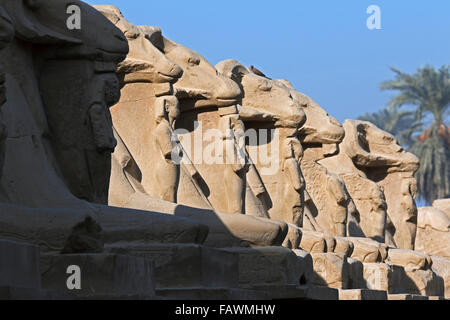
{"points": [[187, 266], [306, 266], [362, 294], [19, 265], [268, 266], [100, 274], [321, 293], [331, 270], [418, 282], [222, 294], [290, 292], [406, 297], [441, 267], [355, 274], [378, 276]]}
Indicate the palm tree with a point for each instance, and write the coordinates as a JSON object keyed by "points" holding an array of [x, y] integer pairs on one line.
{"points": [[428, 90]]}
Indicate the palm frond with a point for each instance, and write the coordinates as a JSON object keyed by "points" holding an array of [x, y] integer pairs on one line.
{"points": [[428, 91], [433, 176]]}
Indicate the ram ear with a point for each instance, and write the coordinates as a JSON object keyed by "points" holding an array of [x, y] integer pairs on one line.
{"points": [[28, 26], [232, 69]]}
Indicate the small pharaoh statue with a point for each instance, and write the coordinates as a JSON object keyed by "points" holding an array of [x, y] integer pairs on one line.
{"points": [[237, 163], [167, 170]]}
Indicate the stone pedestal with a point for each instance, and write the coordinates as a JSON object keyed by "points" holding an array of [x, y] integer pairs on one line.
{"points": [[433, 242], [355, 274], [102, 276], [19, 265], [330, 270], [289, 292], [188, 266], [418, 282], [407, 297], [321, 293], [378, 276], [306, 267], [268, 266], [362, 294], [434, 298], [441, 267], [216, 294]]}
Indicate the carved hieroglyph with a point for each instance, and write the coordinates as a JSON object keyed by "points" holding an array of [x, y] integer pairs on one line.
{"points": [[377, 154]]}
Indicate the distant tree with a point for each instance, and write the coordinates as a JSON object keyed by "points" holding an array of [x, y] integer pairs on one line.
{"points": [[428, 90]]}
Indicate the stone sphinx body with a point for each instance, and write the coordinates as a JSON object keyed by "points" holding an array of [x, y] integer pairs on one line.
{"points": [[378, 156], [368, 197], [324, 190], [433, 231], [276, 105], [271, 104], [152, 105], [57, 153], [329, 202], [361, 166], [268, 108], [362, 187]]}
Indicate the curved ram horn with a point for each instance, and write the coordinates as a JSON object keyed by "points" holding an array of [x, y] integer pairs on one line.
{"points": [[232, 69]]}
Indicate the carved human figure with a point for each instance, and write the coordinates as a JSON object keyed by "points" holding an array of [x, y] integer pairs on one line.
{"points": [[236, 165], [294, 198], [377, 154], [167, 170], [337, 190]]}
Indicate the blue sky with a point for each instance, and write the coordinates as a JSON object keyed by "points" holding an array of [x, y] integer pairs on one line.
{"points": [[323, 47]]}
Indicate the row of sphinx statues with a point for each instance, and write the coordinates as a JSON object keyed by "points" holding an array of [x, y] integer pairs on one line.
{"points": [[89, 118]]}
